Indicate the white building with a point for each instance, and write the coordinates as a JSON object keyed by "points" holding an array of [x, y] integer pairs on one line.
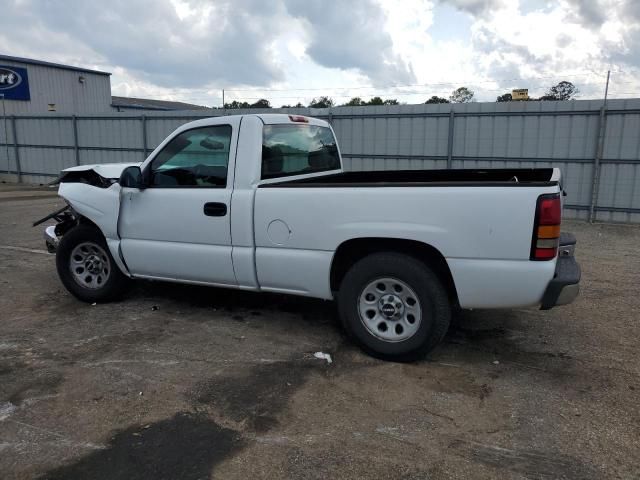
{"points": [[35, 87]]}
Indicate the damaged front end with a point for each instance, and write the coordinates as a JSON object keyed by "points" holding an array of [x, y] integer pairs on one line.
{"points": [[66, 221], [92, 194]]}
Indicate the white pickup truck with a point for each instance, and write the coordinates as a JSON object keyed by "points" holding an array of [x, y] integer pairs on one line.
{"points": [[261, 202]]}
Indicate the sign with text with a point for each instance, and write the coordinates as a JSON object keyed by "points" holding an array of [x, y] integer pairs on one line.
{"points": [[520, 94], [14, 83]]}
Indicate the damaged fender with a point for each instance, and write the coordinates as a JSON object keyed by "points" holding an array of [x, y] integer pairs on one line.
{"points": [[93, 192]]}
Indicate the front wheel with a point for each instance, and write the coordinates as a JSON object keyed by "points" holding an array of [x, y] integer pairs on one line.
{"points": [[86, 268], [394, 306]]}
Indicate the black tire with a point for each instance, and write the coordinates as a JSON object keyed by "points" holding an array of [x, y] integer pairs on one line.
{"points": [[114, 283], [433, 300]]}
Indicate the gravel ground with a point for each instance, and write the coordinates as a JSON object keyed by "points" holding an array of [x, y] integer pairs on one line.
{"points": [[187, 382]]}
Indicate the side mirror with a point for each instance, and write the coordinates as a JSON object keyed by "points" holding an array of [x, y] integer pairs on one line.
{"points": [[131, 177]]}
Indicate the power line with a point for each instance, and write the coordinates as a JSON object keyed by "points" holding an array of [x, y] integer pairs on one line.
{"points": [[457, 82], [208, 91], [398, 90], [386, 94]]}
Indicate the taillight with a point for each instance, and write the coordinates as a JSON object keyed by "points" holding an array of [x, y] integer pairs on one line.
{"points": [[546, 228], [298, 118]]}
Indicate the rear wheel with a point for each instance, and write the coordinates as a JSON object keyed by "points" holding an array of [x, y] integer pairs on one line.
{"points": [[394, 306], [86, 268]]}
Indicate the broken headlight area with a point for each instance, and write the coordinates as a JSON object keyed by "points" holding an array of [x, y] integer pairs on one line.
{"points": [[88, 177]]}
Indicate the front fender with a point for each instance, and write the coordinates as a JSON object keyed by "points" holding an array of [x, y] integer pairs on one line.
{"points": [[100, 206]]}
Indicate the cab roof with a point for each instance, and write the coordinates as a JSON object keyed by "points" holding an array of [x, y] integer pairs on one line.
{"points": [[266, 118]]}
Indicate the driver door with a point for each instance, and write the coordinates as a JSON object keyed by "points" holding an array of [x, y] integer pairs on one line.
{"points": [[178, 228]]}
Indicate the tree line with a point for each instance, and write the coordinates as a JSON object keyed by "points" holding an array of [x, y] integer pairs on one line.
{"points": [[561, 92]]}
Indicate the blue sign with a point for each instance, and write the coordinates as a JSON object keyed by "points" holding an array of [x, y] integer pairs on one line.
{"points": [[14, 83]]}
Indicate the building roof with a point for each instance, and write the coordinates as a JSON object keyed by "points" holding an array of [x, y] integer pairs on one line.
{"points": [[149, 104], [31, 61]]}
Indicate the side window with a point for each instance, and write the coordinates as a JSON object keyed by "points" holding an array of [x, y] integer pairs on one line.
{"points": [[195, 158], [297, 149]]}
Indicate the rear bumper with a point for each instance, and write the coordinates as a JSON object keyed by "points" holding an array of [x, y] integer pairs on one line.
{"points": [[565, 285]]}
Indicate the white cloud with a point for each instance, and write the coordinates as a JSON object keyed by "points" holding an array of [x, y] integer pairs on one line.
{"points": [[190, 49], [477, 7]]}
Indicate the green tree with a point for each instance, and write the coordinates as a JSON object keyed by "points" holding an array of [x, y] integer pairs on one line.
{"points": [[562, 91], [357, 101], [321, 102], [262, 103], [354, 102], [504, 98], [461, 95], [236, 104], [436, 99]]}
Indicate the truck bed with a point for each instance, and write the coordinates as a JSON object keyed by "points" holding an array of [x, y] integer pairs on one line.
{"points": [[411, 178]]}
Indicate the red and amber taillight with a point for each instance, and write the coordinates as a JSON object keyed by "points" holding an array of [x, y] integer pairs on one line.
{"points": [[546, 228]]}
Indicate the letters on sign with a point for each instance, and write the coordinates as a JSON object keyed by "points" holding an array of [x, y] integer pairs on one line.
{"points": [[14, 83], [520, 94]]}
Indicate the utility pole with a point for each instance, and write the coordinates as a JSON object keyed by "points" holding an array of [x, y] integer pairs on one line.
{"points": [[602, 126], [223, 98]]}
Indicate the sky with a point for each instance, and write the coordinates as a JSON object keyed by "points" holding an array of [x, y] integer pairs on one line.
{"points": [[290, 51]]}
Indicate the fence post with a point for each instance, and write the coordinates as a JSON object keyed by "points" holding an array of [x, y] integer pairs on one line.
{"points": [[595, 177], [144, 135], [16, 151], [602, 128], [450, 140], [76, 150]]}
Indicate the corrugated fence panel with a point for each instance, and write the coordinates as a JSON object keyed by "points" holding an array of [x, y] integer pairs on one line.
{"points": [[7, 159], [390, 137], [88, 157], [45, 131], [159, 128], [46, 161], [622, 140], [121, 133], [358, 163]]}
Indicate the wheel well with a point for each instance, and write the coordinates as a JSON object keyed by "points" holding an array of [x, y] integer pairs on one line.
{"points": [[82, 220], [349, 252]]}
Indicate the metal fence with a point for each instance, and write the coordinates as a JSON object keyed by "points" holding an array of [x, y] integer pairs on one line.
{"points": [[476, 135]]}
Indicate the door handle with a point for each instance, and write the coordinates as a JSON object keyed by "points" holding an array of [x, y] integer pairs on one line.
{"points": [[215, 209]]}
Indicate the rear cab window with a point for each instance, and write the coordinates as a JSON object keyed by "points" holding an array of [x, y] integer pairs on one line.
{"points": [[297, 150]]}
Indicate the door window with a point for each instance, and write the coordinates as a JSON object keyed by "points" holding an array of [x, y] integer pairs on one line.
{"points": [[195, 158]]}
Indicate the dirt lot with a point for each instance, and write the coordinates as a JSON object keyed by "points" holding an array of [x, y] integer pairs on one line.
{"points": [[187, 382]]}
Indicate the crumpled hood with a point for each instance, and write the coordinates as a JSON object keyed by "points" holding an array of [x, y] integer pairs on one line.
{"points": [[105, 170]]}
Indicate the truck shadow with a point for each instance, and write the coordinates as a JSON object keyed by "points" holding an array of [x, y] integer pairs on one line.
{"points": [[475, 336], [502, 337], [238, 304]]}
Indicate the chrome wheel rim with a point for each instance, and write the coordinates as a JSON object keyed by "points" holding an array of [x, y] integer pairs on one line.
{"points": [[389, 309], [90, 265]]}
